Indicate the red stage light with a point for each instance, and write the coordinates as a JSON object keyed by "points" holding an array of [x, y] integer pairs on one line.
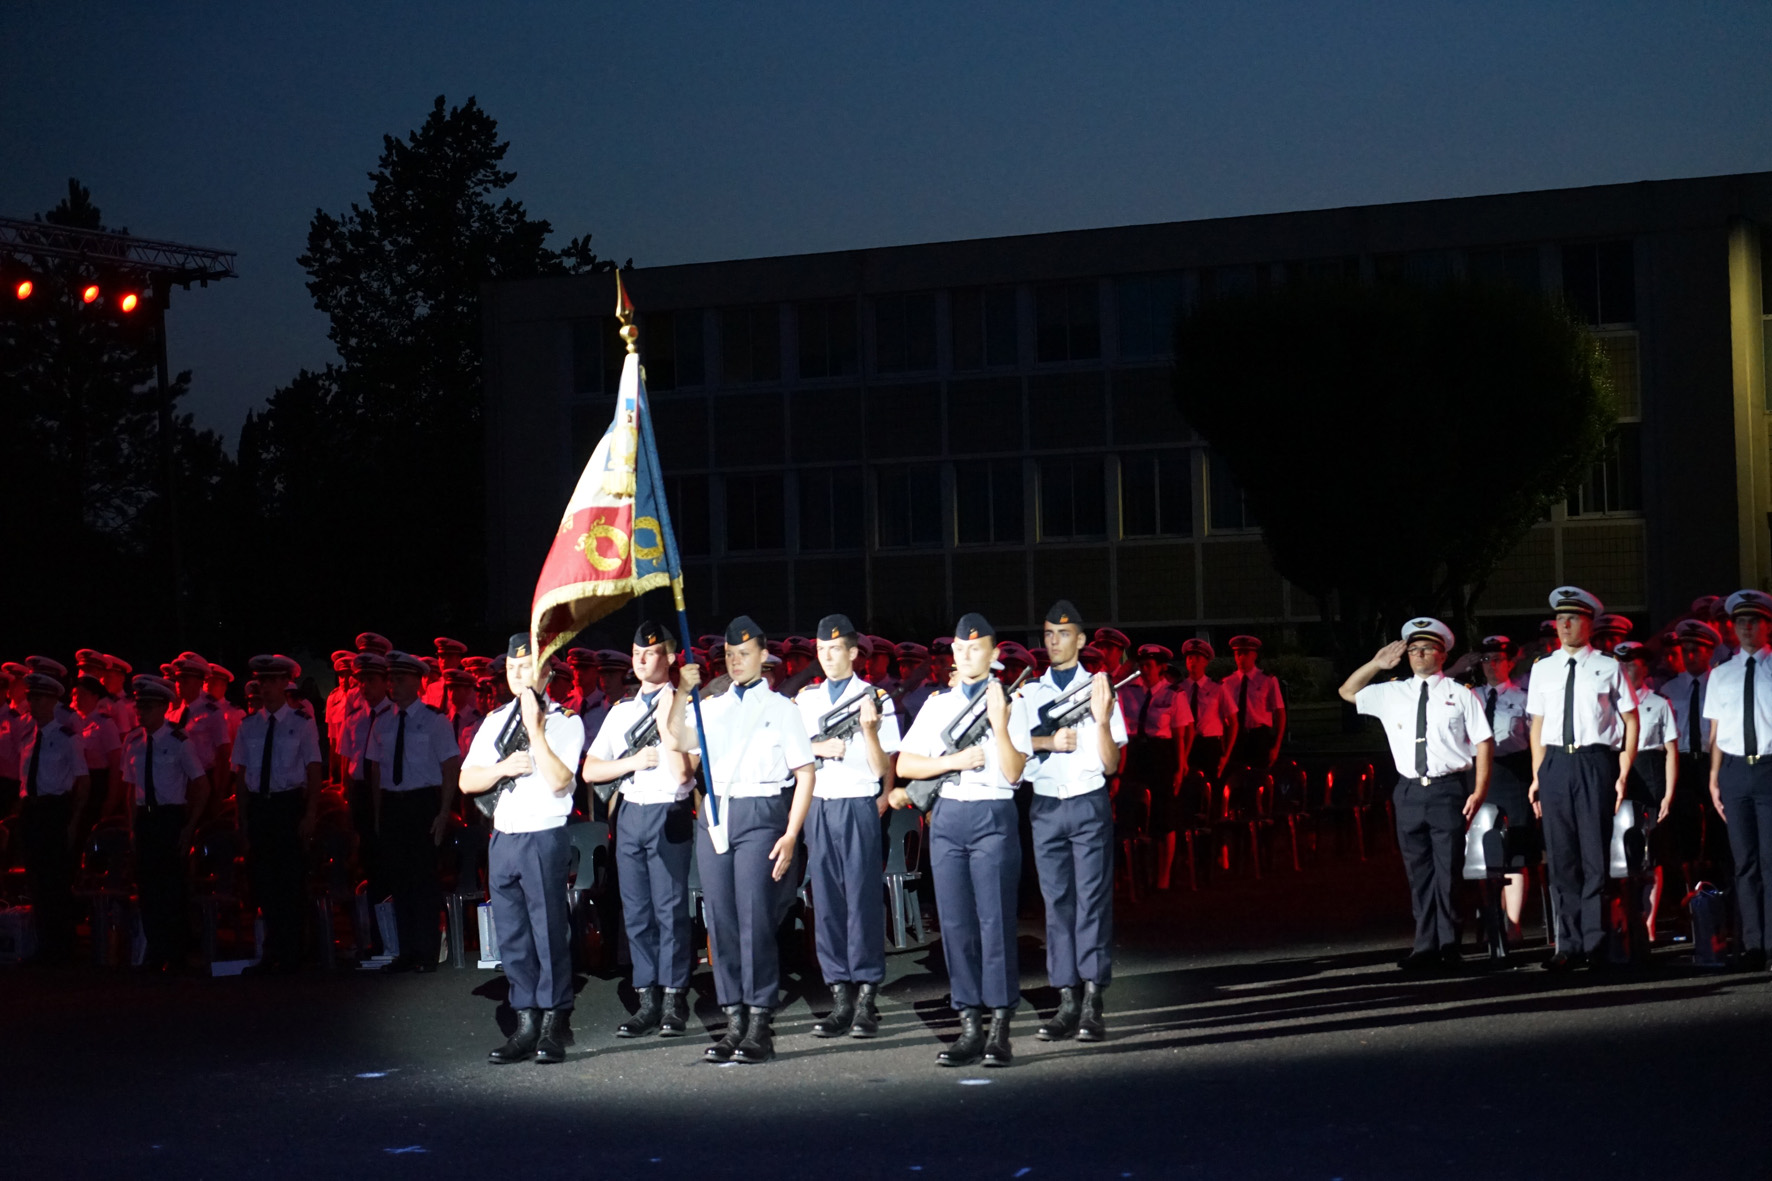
{"points": [[24, 289], [128, 302], [90, 295]]}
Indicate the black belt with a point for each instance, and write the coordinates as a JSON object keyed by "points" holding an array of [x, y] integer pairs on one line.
{"points": [[1590, 747], [1430, 780], [1750, 760]]}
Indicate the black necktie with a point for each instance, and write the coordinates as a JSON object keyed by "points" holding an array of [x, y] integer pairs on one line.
{"points": [[148, 776], [1694, 730], [264, 761], [368, 731], [1489, 710], [400, 749], [1144, 710], [1569, 706], [1243, 702], [1193, 700], [36, 759], [1421, 732], [1749, 738]]}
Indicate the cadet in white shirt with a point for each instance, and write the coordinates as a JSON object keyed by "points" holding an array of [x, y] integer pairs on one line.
{"points": [[1215, 716], [104, 747], [164, 790], [369, 675], [654, 837], [1694, 825], [1078, 734], [414, 763], [1739, 708], [1510, 774], [1654, 773], [853, 726], [1160, 728], [278, 754], [974, 843], [530, 852], [762, 777], [200, 716], [53, 783], [1261, 709], [1584, 737], [1438, 736]]}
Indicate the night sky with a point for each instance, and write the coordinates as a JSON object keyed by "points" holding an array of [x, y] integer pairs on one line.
{"points": [[681, 133]]}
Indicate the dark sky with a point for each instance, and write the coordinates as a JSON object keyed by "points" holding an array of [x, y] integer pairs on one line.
{"points": [[678, 132]]}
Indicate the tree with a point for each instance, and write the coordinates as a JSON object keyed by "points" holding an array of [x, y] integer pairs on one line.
{"points": [[1375, 430], [372, 467]]}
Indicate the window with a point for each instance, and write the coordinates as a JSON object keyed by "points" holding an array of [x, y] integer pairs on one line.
{"points": [[1418, 268], [827, 339], [1342, 269], [1147, 306], [596, 355], [908, 503], [1067, 322], [753, 512], [1515, 266], [1615, 483], [987, 497], [1600, 280], [830, 508], [984, 327], [670, 345], [1157, 494], [750, 344], [1071, 500], [904, 333], [1230, 507], [1230, 282], [688, 499]]}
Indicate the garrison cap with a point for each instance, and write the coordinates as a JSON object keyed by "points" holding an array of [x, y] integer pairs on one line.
{"points": [[744, 629], [1573, 598], [1697, 631], [1245, 643], [91, 684], [1631, 650], [272, 666], [837, 627], [1426, 627], [341, 660], [1496, 644], [119, 665], [910, 650], [1064, 611], [518, 646], [151, 688], [48, 666], [371, 642], [973, 626], [650, 633], [1155, 652], [405, 662], [1111, 635], [1612, 625], [367, 663], [448, 647], [217, 672], [457, 678], [1197, 647], [43, 683], [1750, 602], [90, 658], [581, 658]]}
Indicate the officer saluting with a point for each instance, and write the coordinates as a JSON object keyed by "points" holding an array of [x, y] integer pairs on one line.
{"points": [[1584, 736], [1738, 706], [974, 845], [762, 776], [165, 789], [1073, 828], [527, 859], [1437, 734]]}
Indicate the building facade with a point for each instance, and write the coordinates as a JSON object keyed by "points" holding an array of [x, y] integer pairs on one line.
{"points": [[910, 432]]}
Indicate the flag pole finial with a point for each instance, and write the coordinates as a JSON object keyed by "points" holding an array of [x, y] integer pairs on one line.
{"points": [[624, 311]]}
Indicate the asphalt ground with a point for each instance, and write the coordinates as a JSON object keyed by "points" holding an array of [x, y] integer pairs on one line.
{"points": [[1257, 1029]]}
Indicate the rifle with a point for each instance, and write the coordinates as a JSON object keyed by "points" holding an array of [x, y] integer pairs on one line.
{"points": [[844, 718], [1066, 710], [511, 739], [969, 729], [640, 735]]}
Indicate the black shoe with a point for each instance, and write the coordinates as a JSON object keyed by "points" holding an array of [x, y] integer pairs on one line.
{"points": [[867, 1012], [1753, 960], [836, 1023], [1065, 1021], [1450, 960], [674, 1020], [400, 963], [522, 1043], [758, 1044], [1563, 961], [424, 967], [1420, 963], [996, 1047], [646, 1018], [266, 967], [722, 1050], [1093, 1027], [551, 1039], [970, 1048]]}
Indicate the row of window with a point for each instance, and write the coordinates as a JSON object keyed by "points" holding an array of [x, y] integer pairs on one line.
{"points": [[1147, 494], [1598, 279]]}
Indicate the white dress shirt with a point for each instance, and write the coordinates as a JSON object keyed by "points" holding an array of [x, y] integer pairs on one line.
{"points": [[1655, 720], [653, 785], [1455, 722], [986, 783], [531, 805], [175, 765], [1511, 725], [1167, 715], [1602, 697], [1678, 691], [1723, 703], [101, 738], [1264, 701], [354, 733], [1209, 704], [204, 723], [428, 743], [849, 776], [1067, 773], [295, 747], [762, 764], [63, 760]]}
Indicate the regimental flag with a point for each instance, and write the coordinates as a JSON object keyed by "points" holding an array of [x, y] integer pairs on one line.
{"points": [[615, 539]]}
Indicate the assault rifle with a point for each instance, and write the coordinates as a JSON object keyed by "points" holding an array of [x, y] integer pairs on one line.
{"points": [[1068, 708], [640, 735], [513, 738], [844, 718], [970, 728]]}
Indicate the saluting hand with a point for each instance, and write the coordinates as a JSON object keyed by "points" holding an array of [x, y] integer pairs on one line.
{"points": [[1390, 655]]}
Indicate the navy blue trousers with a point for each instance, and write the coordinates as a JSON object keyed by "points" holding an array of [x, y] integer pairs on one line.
{"points": [[744, 903], [160, 876], [1747, 808], [1074, 854], [409, 861], [276, 867], [1577, 792], [1430, 833], [654, 846], [975, 858], [526, 872], [846, 863]]}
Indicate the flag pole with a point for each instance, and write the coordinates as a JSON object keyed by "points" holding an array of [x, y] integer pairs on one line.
{"points": [[624, 312]]}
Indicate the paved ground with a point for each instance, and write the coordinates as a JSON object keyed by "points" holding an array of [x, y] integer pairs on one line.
{"points": [[1258, 1030]]}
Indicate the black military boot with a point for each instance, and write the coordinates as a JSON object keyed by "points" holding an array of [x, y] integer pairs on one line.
{"points": [[722, 1050], [1093, 1027], [867, 1012], [646, 1018], [970, 1048], [556, 1031], [674, 1020], [996, 1047], [836, 1023], [758, 1044], [1064, 1022], [522, 1043]]}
